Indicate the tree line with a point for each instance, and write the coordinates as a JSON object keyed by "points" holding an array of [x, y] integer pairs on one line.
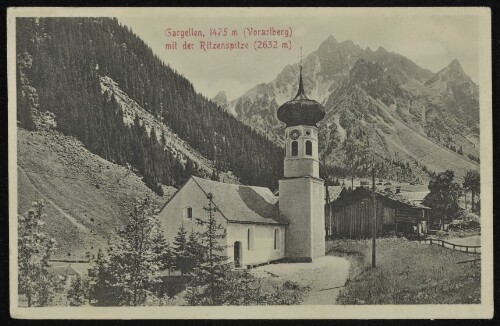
{"points": [[132, 270], [67, 57], [445, 193]]}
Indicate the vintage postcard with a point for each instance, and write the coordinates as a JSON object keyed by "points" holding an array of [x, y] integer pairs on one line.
{"points": [[250, 163]]}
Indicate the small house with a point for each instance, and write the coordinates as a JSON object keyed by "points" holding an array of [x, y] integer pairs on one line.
{"points": [[67, 272], [351, 215]]}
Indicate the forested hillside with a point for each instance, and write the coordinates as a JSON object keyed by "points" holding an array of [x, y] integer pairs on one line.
{"points": [[61, 63]]}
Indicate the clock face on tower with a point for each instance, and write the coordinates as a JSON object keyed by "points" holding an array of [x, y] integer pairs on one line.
{"points": [[294, 134]]}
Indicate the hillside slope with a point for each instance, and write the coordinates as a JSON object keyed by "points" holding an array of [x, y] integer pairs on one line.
{"points": [[87, 198], [63, 66]]}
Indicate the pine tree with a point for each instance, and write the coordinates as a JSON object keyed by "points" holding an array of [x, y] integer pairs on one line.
{"points": [[34, 249], [101, 289], [179, 250], [169, 258], [472, 183], [77, 294], [443, 196], [193, 253], [210, 277], [134, 264]]}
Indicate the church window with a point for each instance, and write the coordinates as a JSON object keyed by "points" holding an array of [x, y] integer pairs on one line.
{"points": [[188, 212], [250, 238], [295, 148], [276, 239], [309, 148]]}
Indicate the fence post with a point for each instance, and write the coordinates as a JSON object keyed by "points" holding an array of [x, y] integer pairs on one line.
{"points": [[467, 248]]}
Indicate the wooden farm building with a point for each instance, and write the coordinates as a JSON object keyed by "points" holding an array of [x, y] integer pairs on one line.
{"points": [[351, 214]]}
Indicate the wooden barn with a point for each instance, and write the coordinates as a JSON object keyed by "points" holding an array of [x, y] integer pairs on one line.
{"points": [[351, 214]]}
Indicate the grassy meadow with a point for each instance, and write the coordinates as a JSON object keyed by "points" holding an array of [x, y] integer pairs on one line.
{"points": [[407, 273]]}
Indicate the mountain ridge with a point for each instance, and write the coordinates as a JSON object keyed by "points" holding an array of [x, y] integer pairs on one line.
{"points": [[437, 106]]}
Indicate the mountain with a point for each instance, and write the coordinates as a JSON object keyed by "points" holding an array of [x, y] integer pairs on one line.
{"points": [[103, 121], [372, 107], [221, 100], [105, 87], [457, 90], [382, 97], [87, 198]]}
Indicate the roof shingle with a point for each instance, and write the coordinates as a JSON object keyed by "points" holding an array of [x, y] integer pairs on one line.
{"points": [[243, 204]]}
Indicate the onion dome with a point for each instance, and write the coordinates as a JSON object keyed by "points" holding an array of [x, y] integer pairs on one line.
{"points": [[301, 110]]}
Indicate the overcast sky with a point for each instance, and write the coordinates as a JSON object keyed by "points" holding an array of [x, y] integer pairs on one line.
{"points": [[431, 41]]}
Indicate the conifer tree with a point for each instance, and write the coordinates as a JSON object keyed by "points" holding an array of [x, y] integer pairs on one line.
{"points": [[210, 277], [34, 249], [443, 196], [179, 250], [160, 246], [472, 183], [194, 252], [134, 263], [77, 294], [101, 289]]}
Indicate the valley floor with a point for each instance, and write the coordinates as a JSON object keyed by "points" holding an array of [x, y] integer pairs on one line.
{"points": [[323, 278], [407, 272]]}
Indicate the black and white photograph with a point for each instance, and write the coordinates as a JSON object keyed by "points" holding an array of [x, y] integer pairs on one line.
{"points": [[253, 163]]}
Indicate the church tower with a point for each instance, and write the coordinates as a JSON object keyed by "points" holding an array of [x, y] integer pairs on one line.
{"points": [[301, 191]]}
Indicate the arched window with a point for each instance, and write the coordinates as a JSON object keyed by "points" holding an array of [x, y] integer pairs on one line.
{"points": [[309, 148], [295, 148], [188, 212]]}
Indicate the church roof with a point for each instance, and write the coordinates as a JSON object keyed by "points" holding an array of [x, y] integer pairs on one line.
{"points": [[243, 204], [301, 110]]}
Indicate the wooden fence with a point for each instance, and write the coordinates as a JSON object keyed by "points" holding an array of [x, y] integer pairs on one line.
{"points": [[445, 244]]}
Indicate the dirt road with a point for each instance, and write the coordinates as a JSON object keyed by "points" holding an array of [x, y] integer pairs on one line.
{"points": [[325, 276]]}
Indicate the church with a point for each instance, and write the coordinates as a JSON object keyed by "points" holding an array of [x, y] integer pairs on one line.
{"points": [[260, 226]]}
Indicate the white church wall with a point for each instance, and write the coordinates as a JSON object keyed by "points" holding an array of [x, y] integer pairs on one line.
{"points": [[263, 242], [295, 204], [318, 217], [173, 216]]}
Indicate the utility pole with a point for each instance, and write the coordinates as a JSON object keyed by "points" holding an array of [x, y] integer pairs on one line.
{"points": [[327, 209], [374, 222]]}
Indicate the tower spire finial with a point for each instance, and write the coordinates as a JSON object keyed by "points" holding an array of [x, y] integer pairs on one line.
{"points": [[301, 56], [300, 92]]}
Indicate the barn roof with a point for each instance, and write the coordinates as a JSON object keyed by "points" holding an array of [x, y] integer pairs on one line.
{"points": [[243, 204], [334, 192], [63, 270], [414, 196], [362, 192]]}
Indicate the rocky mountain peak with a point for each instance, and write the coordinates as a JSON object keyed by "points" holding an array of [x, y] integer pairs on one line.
{"points": [[455, 64], [328, 45], [365, 70], [221, 96], [454, 70], [221, 100], [452, 73], [331, 39], [381, 50]]}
